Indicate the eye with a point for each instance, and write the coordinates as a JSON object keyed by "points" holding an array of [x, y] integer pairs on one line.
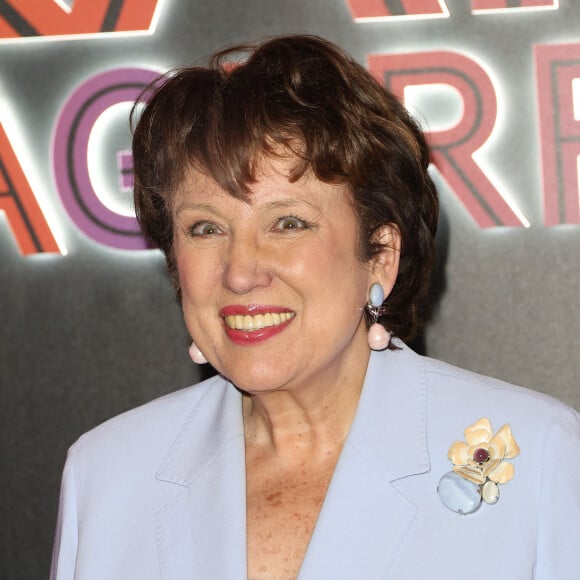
{"points": [[204, 229], [291, 222]]}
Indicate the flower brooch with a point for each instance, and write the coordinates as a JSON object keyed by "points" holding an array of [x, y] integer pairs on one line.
{"points": [[479, 465]]}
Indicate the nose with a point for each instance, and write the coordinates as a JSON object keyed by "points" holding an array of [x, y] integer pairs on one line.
{"points": [[246, 267]]}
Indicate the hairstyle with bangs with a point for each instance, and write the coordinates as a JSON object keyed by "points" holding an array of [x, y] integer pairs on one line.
{"points": [[304, 95]]}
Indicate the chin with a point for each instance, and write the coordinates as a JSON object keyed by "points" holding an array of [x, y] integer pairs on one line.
{"points": [[257, 380]]}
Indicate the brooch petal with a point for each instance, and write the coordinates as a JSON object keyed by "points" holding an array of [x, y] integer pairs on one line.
{"points": [[481, 462], [458, 453], [479, 431]]}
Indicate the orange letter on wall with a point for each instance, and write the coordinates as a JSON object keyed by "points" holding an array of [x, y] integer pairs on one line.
{"points": [[18, 202], [29, 18], [369, 10], [501, 5]]}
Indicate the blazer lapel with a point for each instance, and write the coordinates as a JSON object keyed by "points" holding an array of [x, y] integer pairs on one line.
{"points": [[202, 532], [365, 519]]}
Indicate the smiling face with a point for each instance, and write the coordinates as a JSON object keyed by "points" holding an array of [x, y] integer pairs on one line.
{"points": [[272, 289]]}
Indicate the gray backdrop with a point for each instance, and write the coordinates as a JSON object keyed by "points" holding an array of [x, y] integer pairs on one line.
{"points": [[90, 334]]}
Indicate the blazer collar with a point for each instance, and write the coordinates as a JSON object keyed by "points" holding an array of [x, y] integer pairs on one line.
{"points": [[365, 518], [202, 533], [214, 421], [390, 425], [389, 428]]}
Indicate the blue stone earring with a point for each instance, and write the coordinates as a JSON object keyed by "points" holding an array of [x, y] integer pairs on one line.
{"points": [[378, 337]]}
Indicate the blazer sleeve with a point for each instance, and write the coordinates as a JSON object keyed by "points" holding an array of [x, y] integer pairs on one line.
{"points": [[66, 537], [559, 501]]}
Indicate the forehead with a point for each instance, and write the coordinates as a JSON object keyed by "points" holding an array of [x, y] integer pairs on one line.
{"points": [[274, 179]]}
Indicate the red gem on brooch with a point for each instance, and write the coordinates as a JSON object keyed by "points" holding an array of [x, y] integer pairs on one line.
{"points": [[480, 455]]}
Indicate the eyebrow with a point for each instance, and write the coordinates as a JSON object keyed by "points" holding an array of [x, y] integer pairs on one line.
{"points": [[191, 206], [289, 204]]}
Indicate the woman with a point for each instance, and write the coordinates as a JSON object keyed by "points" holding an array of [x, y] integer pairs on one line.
{"points": [[290, 195]]}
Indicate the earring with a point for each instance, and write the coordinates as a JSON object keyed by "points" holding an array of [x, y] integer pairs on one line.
{"points": [[196, 354], [378, 337]]}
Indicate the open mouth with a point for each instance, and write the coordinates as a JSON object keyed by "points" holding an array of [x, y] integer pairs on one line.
{"points": [[249, 323]]}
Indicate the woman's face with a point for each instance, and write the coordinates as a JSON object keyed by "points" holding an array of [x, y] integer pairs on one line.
{"points": [[272, 290]]}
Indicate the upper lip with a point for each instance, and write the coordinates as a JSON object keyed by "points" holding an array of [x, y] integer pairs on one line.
{"points": [[251, 309]]}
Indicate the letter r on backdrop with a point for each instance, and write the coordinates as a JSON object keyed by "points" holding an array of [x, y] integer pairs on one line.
{"points": [[453, 149], [558, 78]]}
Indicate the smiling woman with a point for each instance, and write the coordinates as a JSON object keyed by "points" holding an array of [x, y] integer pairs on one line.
{"points": [[256, 254], [290, 195]]}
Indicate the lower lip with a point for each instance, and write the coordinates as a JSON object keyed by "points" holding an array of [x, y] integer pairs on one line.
{"points": [[245, 337]]}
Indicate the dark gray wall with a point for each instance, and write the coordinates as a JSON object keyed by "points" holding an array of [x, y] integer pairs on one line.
{"points": [[90, 334]]}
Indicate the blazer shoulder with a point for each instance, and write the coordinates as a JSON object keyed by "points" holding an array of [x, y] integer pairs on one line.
{"points": [[442, 377], [157, 420]]}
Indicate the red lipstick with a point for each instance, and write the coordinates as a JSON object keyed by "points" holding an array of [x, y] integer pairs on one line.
{"points": [[251, 337]]}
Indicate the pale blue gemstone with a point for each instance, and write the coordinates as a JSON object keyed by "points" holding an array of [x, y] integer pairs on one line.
{"points": [[377, 295], [459, 494]]}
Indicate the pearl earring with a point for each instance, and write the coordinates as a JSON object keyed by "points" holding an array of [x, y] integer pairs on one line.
{"points": [[378, 336], [196, 354]]}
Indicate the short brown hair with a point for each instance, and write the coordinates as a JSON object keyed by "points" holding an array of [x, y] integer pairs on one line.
{"points": [[285, 91]]}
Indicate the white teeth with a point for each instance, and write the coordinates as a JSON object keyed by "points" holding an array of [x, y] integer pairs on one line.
{"points": [[248, 323]]}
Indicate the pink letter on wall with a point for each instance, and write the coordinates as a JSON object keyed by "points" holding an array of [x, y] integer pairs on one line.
{"points": [[453, 148], [557, 73], [70, 159]]}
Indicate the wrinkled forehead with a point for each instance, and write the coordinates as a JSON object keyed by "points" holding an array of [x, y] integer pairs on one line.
{"points": [[277, 163]]}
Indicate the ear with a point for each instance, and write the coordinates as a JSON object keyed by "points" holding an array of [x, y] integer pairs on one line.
{"points": [[385, 265]]}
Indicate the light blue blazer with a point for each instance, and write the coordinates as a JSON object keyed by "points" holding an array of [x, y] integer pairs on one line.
{"points": [[159, 492]]}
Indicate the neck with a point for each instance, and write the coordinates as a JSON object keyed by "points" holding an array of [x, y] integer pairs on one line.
{"points": [[295, 422]]}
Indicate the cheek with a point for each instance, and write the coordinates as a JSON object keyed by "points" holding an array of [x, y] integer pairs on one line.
{"points": [[197, 273], [336, 281], [186, 277]]}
